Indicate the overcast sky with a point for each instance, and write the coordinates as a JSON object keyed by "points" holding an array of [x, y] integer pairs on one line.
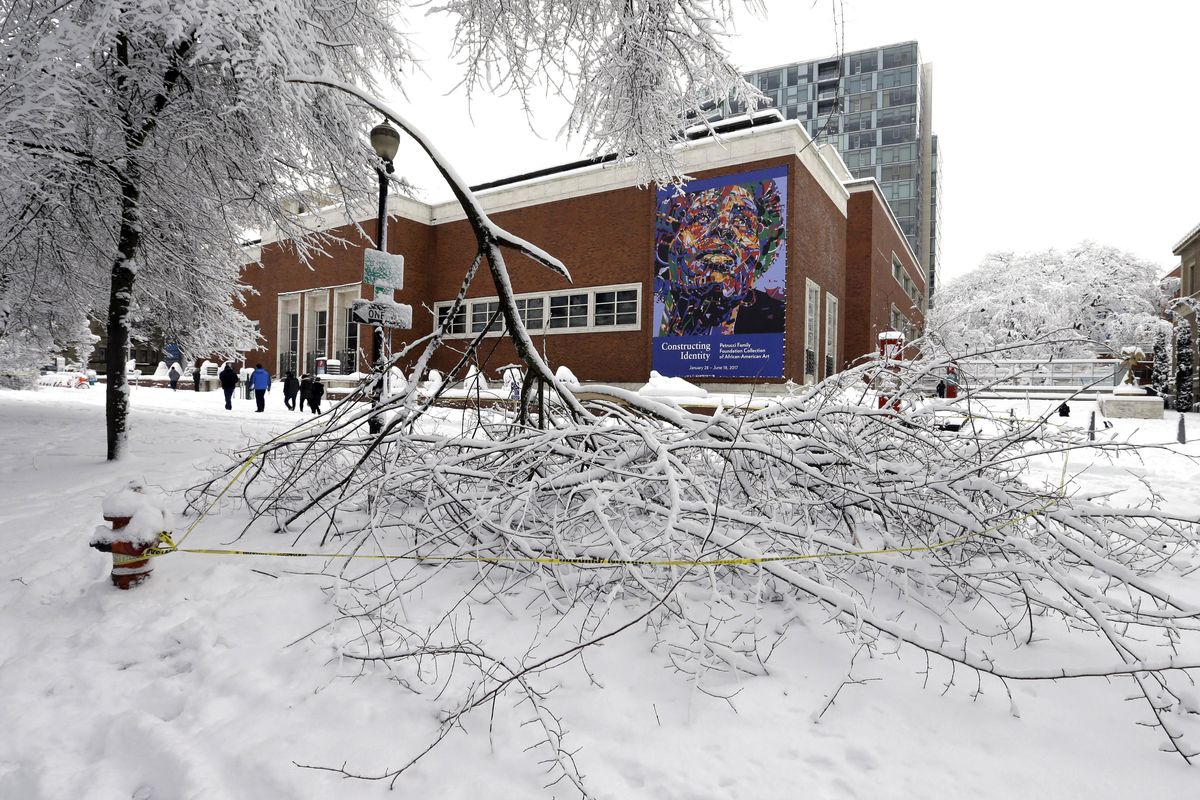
{"points": [[1058, 120]]}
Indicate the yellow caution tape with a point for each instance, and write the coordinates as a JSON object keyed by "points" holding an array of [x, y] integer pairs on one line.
{"points": [[170, 547]]}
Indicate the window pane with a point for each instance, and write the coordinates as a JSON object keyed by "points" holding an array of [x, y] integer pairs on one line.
{"points": [[606, 308], [532, 312], [481, 313], [568, 311], [458, 324], [899, 56], [862, 102], [900, 133], [627, 307], [904, 115]]}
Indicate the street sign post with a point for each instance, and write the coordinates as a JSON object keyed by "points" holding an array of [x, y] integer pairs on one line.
{"points": [[385, 313]]}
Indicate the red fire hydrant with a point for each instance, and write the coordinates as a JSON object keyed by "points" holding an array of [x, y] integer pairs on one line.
{"points": [[129, 543], [130, 564]]}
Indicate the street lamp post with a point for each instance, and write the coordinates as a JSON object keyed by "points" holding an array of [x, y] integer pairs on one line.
{"points": [[385, 140]]}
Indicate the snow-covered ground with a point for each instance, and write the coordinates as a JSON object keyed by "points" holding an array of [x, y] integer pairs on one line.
{"points": [[221, 674]]}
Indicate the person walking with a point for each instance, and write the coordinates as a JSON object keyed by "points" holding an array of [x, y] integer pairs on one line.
{"points": [[229, 381], [196, 378], [261, 381], [290, 387], [173, 376], [316, 392], [306, 382]]}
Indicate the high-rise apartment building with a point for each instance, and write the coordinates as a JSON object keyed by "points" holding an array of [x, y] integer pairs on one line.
{"points": [[874, 107]]}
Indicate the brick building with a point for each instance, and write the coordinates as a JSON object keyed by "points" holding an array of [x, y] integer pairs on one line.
{"points": [[809, 266]]}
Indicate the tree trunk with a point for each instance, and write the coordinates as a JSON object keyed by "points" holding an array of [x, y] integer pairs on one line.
{"points": [[116, 407]]}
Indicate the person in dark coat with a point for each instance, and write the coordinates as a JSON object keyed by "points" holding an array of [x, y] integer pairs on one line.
{"points": [[306, 383], [941, 389], [315, 394], [261, 381], [196, 378], [229, 381], [290, 387], [173, 376]]}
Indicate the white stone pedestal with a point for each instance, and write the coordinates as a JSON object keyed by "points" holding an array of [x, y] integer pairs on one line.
{"points": [[1132, 406]]}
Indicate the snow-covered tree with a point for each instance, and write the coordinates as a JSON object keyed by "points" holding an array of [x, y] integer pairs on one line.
{"points": [[139, 141], [1160, 377], [1184, 366], [1087, 301]]}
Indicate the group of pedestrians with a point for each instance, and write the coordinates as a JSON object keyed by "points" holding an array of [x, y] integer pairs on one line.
{"points": [[309, 388], [174, 375]]}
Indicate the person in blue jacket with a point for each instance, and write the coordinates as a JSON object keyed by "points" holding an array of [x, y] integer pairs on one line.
{"points": [[261, 381]]}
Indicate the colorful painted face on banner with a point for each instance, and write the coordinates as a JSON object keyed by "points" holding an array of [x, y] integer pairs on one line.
{"points": [[712, 246], [724, 237]]}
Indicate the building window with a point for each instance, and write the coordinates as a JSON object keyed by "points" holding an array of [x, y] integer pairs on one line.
{"points": [[812, 310], [457, 325], [897, 77], [768, 82], [345, 341], [861, 158], [901, 56], [900, 133], [863, 83], [900, 96], [899, 172], [602, 308], [858, 141], [862, 62], [616, 308], [316, 327], [900, 190], [862, 102], [793, 76], [904, 115], [858, 122], [568, 311], [481, 312], [532, 311], [289, 334], [320, 344], [831, 334], [896, 154]]}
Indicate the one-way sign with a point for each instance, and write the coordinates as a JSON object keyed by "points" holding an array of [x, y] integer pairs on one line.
{"points": [[385, 313]]}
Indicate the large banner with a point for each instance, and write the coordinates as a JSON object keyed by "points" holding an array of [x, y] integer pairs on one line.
{"points": [[720, 267]]}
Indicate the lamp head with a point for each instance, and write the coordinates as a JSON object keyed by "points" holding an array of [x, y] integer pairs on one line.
{"points": [[385, 140]]}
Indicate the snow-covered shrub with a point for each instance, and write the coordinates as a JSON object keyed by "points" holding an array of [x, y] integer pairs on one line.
{"points": [[1160, 376], [1184, 366]]}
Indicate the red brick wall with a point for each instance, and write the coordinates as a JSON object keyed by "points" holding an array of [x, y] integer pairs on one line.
{"points": [[870, 288]]}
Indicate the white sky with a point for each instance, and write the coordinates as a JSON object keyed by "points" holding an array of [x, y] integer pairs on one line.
{"points": [[1058, 120]]}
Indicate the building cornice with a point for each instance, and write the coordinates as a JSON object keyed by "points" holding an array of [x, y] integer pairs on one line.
{"points": [[760, 143], [1192, 235]]}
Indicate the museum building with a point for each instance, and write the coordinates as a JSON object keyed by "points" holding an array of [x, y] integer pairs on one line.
{"points": [[772, 264]]}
